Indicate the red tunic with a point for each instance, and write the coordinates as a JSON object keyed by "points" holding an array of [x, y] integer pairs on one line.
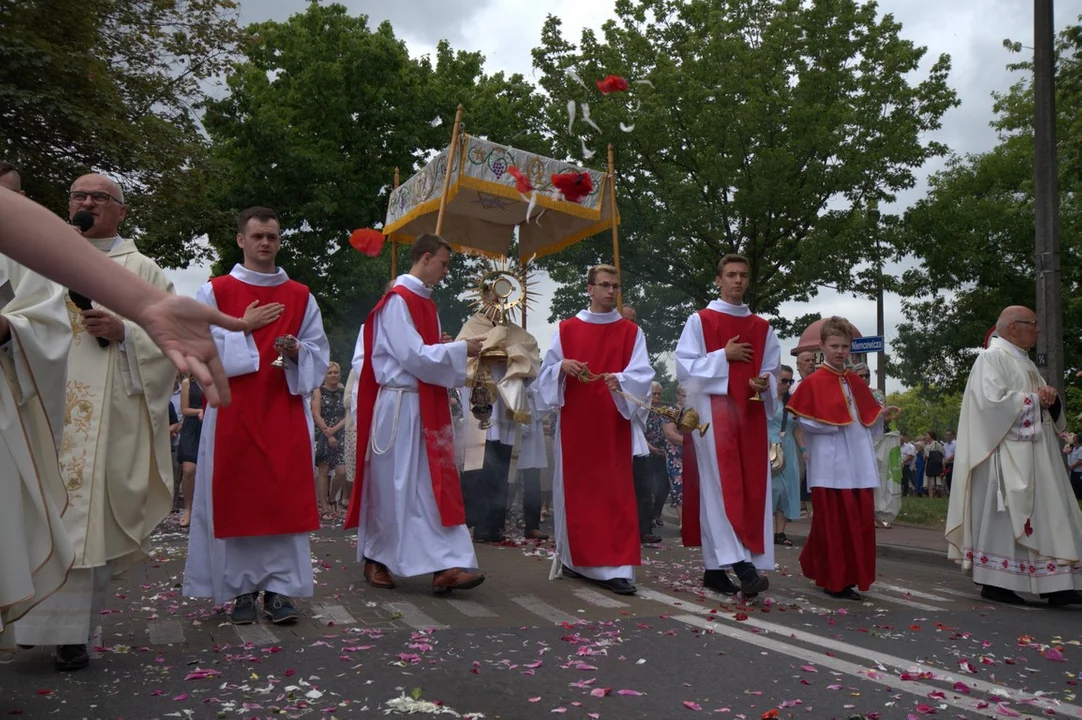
{"points": [[435, 415], [595, 442], [739, 426], [262, 446], [820, 397]]}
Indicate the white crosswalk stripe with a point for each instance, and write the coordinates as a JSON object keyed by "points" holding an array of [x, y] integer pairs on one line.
{"points": [[470, 608], [412, 616], [337, 614], [907, 602], [906, 591], [256, 634], [165, 632], [975, 597], [542, 609], [593, 597]]}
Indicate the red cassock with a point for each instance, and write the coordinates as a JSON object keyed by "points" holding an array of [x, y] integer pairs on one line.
{"points": [[739, 426], [262, 447], [840, 550], [595, 442], [435, 415]]}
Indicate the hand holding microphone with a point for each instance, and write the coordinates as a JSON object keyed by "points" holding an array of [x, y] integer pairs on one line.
{"points": [[84, 221]]}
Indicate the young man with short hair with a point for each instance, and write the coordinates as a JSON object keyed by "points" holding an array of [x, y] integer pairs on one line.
{"points": [[254, 502]]}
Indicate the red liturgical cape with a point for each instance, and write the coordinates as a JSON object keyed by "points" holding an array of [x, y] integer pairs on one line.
{"points": [[739, 425], [820, 397], [262, 446], [595, 443], [435, 415]]}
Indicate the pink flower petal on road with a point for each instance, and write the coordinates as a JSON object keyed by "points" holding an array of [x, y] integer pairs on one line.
{"points": [[181, 697], [926, 709], [535, 699], [808, 668], [1005, 711], [1054, 655], [692, 705], [962, 688], [634, 693]]}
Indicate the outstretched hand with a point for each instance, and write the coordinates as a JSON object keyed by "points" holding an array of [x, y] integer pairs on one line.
{"points": [[180, 326]]}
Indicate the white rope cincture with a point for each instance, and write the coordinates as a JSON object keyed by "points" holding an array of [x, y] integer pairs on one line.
{"points": [[394, 425]]}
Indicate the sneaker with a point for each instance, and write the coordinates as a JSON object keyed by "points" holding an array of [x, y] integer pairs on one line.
{"points": [[278, 608], [243, 612]]}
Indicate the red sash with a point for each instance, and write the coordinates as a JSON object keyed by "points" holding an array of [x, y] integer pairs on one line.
{"points": [[739, 426], [435, 415], [262, 447], [820, 397], [595, 441]]}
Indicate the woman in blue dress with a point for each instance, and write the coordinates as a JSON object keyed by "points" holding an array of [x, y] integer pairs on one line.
{"points": [[785, 484]]}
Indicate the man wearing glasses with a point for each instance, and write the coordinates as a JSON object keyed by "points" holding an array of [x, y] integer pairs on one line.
{"points": [[114, 456], [1013, 519], [594, 354], [728, 359]]}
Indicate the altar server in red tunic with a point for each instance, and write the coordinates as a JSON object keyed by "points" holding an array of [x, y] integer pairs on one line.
{"points": [[254, 500], [593, 491], [407, 499], [728, 360], [841, 419]]}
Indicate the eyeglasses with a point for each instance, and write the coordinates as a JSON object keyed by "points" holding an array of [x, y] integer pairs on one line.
{"points": [[1026, 322], [607, 286], [98, 198], [786, 380]]}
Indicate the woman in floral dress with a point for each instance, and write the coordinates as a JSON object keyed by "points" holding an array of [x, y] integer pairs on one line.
{"points": [[674, 458]]}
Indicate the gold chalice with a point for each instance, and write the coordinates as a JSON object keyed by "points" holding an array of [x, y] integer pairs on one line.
{"points": [[758, 396], [686, 419], [283, 344]]}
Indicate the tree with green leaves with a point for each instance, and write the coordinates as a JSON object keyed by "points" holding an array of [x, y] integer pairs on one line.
{"points": [[320, 112], [112, 86], [973, 237], [760, 127]]}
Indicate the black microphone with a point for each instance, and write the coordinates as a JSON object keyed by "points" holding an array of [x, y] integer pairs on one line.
{"points": [[84, 220]]}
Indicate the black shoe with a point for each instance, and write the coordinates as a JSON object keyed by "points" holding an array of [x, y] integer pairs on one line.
{"points": [[26, 647], [649, 539], [1001, 595], [71, 657], [1063, 598], [781, 539], [719, 581], [751, 582], [658, 522], [569, 573], [620, 586], [243, 612], [848, 594], [278, 608]]}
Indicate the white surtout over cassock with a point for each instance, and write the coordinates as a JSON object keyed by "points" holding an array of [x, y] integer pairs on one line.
{"points": [[399, 521], [114, 460], [35, 553], [703, 374], [549, 395], [1013, 518], [225, 568]]}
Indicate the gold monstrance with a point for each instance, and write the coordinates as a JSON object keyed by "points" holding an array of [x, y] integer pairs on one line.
{"points": [[503, 291]]}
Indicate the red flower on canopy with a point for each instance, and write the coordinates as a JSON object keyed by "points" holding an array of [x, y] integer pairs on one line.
{"points": [[611, 84], [522, 183], [573, 186], [367, 241], [1028, 528]]}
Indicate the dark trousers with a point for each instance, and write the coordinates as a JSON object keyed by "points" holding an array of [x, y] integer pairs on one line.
{"points": [[661, 483], [491, 490], [1076, 484], [531, 498], [644, 493], [907, 481]]}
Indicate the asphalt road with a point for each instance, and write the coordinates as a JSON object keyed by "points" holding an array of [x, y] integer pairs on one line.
{"points": [[922, 643]]}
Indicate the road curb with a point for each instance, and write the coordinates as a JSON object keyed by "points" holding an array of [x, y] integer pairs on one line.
{"points": [[902, 553]]}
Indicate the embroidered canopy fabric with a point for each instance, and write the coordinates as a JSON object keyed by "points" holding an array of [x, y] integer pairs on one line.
{"points": [[484, 206]]}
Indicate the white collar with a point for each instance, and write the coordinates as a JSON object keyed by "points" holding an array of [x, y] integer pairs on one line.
{"points": [[729, 309], [414, 283], [1009, 347], [599, 318], [257, 278]]}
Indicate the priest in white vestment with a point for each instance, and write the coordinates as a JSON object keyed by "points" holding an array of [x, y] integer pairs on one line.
{"points": [[728, 360], [1013, 519], [115, 455], [407, 497], [254, 500], [35, 334], [596, 437]]}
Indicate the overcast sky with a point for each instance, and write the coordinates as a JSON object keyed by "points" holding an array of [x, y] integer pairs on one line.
{"points": [[970, 31]]}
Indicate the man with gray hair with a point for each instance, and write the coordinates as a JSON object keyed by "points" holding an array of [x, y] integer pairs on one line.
{"points": [[114, 454], [1012, 517]]}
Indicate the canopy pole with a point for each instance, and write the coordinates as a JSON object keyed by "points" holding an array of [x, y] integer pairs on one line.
{"points": [[450, 164], [525, 284], [615, 228], [394, 245]]}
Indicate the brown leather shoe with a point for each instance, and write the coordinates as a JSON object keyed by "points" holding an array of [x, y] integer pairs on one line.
{"points": [[536, 535], [445, 581], [378, 575]]}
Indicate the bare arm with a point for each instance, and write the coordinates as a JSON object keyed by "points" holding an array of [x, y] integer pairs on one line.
{"points": [[317, 416], [672, 434], [186, 408]]}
